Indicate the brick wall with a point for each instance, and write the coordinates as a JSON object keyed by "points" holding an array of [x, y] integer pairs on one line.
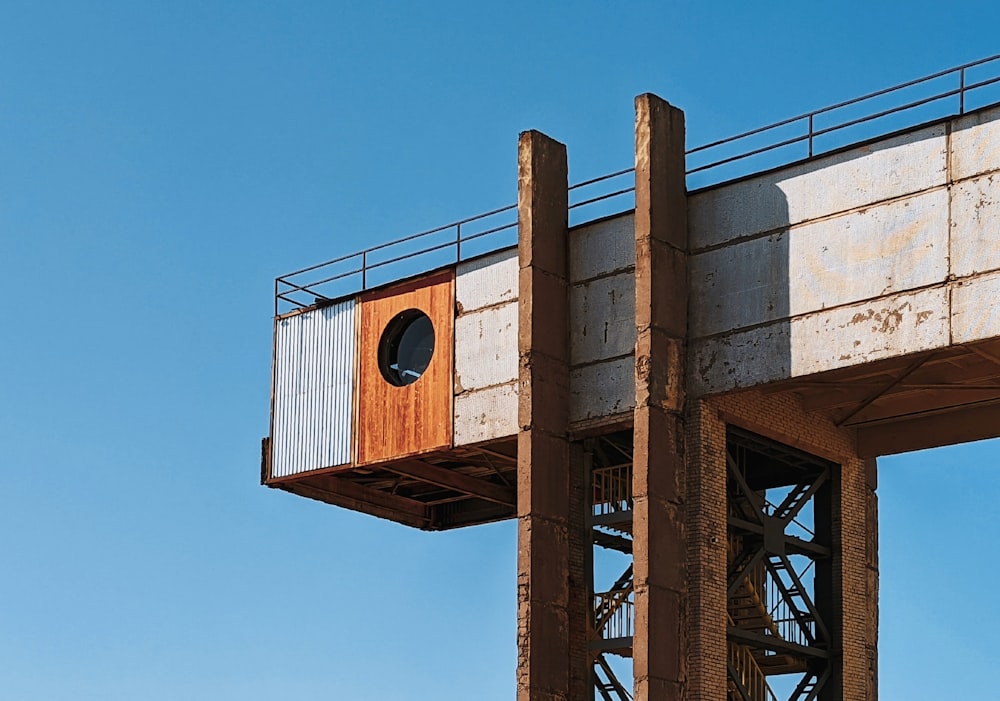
{"points": [[855, 524]]}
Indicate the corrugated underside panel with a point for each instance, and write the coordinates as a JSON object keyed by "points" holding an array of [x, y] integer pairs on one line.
{"points": [[313, 390]]}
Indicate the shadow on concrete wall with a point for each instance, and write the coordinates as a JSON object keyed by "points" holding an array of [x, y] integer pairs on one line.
{"points": [[740, 306]]}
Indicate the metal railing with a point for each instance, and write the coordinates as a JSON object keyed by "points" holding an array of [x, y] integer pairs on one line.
{"points": [[743, 668], [935, 97], [941, 95], [614, 614], [611, 489], [433, 248]]}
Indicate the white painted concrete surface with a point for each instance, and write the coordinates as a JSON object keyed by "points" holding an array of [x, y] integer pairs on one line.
{"points": [[975, 225], [877, 252], [975, 144], [486, 348], [975, 308], [602, 389], [603, 247], [486, 281], [486, 414], [904, 164], [486, 291], [602, 318]]}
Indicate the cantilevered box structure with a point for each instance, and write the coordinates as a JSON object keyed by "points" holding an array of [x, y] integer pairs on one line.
{"points": [[701, 382]]}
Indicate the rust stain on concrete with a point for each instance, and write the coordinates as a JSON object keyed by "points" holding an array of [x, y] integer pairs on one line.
{"points": [[886, 320]]}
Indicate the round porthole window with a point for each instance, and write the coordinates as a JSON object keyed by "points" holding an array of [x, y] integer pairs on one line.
{"points": [[406, 347]]}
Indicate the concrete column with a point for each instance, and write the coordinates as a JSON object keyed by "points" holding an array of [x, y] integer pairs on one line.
{"points": [[659, 546], [547, 516]]}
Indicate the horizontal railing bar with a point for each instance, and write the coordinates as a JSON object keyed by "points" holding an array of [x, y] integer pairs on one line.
{"points": [[759, 130], [810, 133], [296, 302], [885, 113], [846, 103], [814, 132], [748, 154], [445, 227], [602, 197], [290, 284], [982, 84], [411, 237], [405, 256], [602, 178], [321, 265], [480, 234], [309, 287], [894, 88]]}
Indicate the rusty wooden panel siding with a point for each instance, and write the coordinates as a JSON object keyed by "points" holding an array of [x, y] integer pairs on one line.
{"points": [[396, 421]]}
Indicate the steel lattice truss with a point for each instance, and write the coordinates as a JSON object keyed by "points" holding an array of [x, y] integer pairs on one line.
{"points": [[779, 576]]}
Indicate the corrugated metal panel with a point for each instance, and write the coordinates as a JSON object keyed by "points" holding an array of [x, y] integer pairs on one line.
{"points": [[313, 390], [486, 281]]}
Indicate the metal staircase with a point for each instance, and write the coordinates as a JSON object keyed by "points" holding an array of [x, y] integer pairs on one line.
{"points": [[776, 629], [608, 462]]}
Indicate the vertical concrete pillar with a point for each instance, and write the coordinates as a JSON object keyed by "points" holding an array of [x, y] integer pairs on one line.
{"points": [[659, 545], [548, 513]]}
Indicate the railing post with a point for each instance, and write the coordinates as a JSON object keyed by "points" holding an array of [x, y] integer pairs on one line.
{"points": [[364, 270], [811, 134], [961, 90], [458, 242]]}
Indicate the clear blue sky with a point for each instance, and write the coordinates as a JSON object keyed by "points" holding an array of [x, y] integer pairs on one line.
{"points": [[161, 162]]}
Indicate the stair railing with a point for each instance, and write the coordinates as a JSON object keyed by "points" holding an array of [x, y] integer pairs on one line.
{"points": [[612, 489], [614, 613]]}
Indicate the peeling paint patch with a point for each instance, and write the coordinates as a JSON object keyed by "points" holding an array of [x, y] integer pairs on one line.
{"points": [[851, 335]]}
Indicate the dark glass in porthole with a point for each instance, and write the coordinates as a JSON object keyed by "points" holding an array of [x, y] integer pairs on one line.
{"points": [[406, 347]]}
